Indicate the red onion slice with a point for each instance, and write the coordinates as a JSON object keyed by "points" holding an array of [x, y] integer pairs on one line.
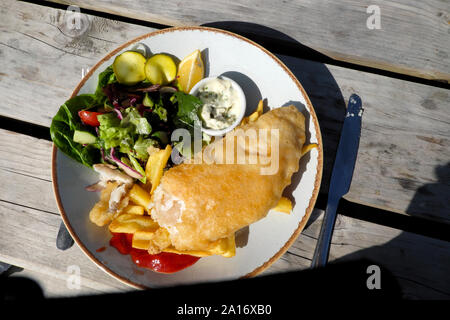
{"points": [[128, 170]]}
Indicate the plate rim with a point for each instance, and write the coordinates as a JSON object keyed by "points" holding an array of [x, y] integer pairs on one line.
{"points": [[319, 170]]}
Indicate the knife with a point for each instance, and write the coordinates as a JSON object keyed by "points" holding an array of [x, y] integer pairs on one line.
{"points": [[341, 176]]}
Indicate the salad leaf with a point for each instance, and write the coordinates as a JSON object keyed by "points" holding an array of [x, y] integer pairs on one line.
{"points": [[138, 168], [128, 134], [161, 112], [63, 126], [188, 108], [141, 123], [104, 78], [141, 145], [112, 133]]}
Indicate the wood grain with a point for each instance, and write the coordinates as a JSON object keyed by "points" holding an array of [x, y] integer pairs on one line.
{"points": [[29, 225], [411, 39], [53, 287], [403, 160], [45, 62], [418, 263], [404, 153]]}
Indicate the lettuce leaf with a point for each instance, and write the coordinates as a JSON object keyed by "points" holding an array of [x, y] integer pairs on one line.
{"points": [[113, 134], [141, 145], [63, 126], [140, 123], [188, 109], [127, 134], [104, 78]]}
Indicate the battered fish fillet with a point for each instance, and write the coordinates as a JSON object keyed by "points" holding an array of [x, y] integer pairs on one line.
{"points": [[201, 203]]}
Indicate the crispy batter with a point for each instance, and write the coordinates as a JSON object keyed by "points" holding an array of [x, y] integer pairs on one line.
{"points": [[201, 203]]}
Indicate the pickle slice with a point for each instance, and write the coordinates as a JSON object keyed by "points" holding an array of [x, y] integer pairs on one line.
{"points": [[160, 69], [129, 67]]}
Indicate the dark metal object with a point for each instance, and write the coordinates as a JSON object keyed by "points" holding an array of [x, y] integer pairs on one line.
{"points": [[63, 241], [341, 177]]}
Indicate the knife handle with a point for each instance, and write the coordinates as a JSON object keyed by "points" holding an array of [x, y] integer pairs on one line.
{"points": [[320, 257]]}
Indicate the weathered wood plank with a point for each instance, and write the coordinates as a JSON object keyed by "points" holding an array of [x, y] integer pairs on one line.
{"points": [[53, 287], [29, 225], [420, 264], [29, 216], [411, 39], [45, 64], [404, 151], [27, 240], [26, 166]]}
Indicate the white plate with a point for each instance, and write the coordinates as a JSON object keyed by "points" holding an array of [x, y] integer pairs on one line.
{"points": [[261, 75]]}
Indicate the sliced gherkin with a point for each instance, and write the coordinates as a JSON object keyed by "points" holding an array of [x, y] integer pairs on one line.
{"points": [[160, 69], [129, 67]]}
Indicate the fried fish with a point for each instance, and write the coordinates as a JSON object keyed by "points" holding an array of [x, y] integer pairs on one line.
{"points": [[202, 203]]}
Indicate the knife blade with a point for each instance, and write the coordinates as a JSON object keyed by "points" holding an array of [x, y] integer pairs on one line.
{"points": [[341, 176]]}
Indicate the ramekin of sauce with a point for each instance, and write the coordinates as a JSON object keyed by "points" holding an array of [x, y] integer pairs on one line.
{"points": [[223, 104]]}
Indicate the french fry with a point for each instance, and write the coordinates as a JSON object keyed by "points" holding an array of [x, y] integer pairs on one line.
{"points": [[259, 110], [140, 196], [255, 115], [308, 147], [140, 244], [141, 239], [144, 235], [131, 209], [284, 205], [155, 166], [130, 223]]}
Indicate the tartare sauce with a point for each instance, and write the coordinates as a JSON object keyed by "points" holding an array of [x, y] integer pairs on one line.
{"points": [[221, 103]]}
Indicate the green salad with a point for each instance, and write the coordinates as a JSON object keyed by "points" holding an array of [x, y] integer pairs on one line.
{"points": [[120, 121]]}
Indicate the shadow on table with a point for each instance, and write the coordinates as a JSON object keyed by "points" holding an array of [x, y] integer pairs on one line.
{"points": [[421, 263], [339, 282], [433, 197], [316, 79]]}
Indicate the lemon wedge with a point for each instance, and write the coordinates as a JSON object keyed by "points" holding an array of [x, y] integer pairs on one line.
{"points": [[160, 69], [190, 71], [129, 67]]}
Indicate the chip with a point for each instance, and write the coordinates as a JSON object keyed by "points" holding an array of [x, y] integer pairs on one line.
{"points": [[308, 147], [131, 223], [155, 166], [131, 209], [140, 196], [284, 205], [255, 115]]}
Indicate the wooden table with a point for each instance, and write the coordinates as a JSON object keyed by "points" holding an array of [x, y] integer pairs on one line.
{"points": [[397, 212]]}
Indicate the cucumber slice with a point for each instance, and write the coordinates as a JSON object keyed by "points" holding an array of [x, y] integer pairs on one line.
{"points": [[160, 69], [84, 137], [129, 67]]}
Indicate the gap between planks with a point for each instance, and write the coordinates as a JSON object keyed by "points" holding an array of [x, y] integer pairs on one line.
{"points": [[336, 30], [420, 264], [389, 173], [28, 233]]}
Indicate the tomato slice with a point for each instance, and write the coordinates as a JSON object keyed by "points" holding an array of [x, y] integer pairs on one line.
{"points": [[89, 117]]}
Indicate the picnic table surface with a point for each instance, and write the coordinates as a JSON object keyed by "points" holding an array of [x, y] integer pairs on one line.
{"points": [[397, 212]]}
